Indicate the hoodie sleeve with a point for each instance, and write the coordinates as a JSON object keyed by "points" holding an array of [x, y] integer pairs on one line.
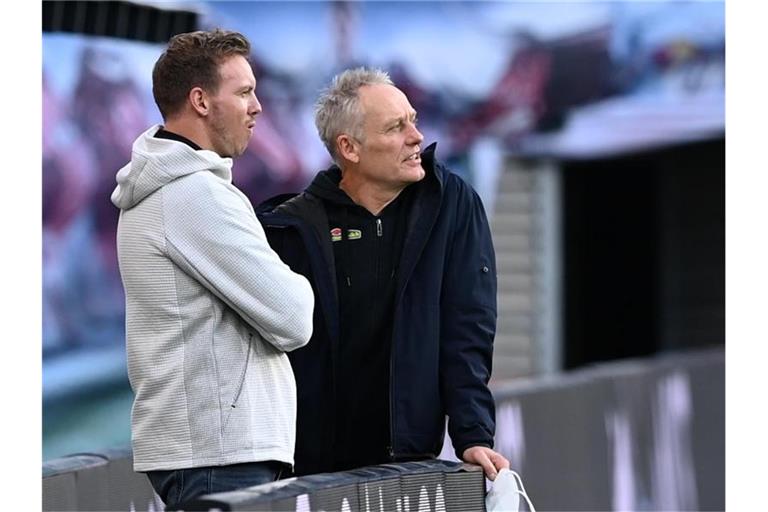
{"points": [[212, 233], [468, 323]]}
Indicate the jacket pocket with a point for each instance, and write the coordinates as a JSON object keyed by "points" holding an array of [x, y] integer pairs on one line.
{"points": [[232, 404]]}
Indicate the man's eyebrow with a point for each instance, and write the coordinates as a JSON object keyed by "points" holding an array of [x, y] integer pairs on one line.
{"points": [[392, 120]]}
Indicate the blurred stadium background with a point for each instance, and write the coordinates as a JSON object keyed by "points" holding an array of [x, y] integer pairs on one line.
{"points": [[593, 131]]}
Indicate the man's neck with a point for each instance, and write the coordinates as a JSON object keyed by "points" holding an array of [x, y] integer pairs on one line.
{"points": [[369, 195], [162, 133], [188, 131]]}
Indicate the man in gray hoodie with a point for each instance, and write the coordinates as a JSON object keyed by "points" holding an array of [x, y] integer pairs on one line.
{"points": [[211, 310]]}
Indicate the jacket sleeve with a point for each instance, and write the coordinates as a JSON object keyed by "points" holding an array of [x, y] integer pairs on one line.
{"points": [[212, 234], [468, 325]]}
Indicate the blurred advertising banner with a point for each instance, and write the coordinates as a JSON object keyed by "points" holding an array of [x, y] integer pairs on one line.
{"points": [[488, 79]]}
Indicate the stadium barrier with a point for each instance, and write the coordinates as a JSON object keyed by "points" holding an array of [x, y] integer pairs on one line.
{"points": [[643, 434], [635, 434], [97, 481], [409, 486]]}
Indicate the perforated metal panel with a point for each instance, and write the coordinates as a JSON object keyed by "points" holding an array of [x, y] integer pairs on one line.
{"points": [[59, 492], [378, 496], [75, 483], [435, 485], [97, 481], [465, 491]]}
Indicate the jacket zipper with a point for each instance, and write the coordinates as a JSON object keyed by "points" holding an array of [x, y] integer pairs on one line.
{"points": [[390, 449]]}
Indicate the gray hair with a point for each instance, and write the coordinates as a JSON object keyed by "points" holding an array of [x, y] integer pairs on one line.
{"points": [[338, 111]]}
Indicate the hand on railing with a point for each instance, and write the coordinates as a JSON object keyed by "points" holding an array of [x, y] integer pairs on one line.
{"points": [[490, 460]]}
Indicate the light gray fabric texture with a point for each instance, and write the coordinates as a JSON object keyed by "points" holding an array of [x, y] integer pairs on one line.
{"points": [[210, 312]]}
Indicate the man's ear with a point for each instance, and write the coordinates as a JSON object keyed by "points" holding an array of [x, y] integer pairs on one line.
{"points": [[199, 100], [348, 148]]}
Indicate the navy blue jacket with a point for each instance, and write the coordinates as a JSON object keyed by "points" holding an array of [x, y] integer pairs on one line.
{"points": [[443, 326]]}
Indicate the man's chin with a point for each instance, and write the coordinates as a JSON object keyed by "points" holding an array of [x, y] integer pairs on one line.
{"points": [[237, 153], [415, 175]]}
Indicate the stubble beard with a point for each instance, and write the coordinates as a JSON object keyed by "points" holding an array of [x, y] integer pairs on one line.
{"points": [[224, 143]]}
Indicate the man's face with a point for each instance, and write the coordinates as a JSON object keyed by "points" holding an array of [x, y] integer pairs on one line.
{"points": [[233, 108], [389, 153]]}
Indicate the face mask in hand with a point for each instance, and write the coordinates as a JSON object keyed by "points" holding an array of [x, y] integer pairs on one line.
{"points": [[505, 493]]}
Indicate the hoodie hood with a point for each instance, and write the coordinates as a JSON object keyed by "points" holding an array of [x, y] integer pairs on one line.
{"points": [[326, 186], [156, 162]]}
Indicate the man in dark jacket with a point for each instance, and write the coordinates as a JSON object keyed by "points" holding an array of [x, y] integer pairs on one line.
{"points": [[400, 257]]}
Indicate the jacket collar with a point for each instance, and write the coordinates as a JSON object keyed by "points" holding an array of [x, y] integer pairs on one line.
{"points": [[307, 209], [423, 215]]}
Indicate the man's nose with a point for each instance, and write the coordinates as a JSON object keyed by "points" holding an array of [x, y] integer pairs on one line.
{"points": [[255, 106], [415, 136]]}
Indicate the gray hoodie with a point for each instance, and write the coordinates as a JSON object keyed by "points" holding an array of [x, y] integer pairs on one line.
{"points": [[210, 312]]}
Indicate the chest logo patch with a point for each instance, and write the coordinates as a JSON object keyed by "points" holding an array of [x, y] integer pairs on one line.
{"points": [[336, 235], [354, 234]]}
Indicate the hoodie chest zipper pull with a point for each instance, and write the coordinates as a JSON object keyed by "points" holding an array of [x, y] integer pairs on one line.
{"points": [[379, 231]]}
